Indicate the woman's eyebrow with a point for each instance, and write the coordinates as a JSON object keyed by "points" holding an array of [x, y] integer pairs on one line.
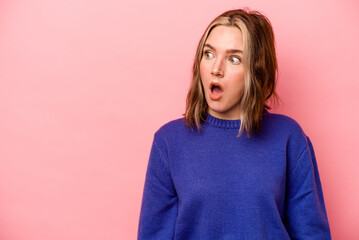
{"points": [[228, 50], [209, 46], [234, 51]]}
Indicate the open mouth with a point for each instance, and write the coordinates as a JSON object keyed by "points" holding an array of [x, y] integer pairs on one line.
{"points": [[216, 90]]}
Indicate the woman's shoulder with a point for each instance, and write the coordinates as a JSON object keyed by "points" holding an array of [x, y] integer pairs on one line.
{"points": [[282, 123], [173, 125], [281, 126], [171, 129]]}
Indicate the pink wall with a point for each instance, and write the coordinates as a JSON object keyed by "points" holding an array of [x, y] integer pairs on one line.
{"points": [[85, 84]]}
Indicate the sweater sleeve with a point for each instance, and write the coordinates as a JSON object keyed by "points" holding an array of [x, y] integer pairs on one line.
{"points": [[159, 203], [306, 216]]}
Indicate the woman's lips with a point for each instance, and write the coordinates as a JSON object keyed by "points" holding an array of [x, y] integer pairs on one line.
{"points": [[215, 91]]}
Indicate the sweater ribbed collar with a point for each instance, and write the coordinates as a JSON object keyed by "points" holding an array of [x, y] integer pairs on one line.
{"points": [[222, 123]]}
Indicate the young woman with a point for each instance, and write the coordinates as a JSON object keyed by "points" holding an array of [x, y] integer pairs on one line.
{"points": [[230, 169]]}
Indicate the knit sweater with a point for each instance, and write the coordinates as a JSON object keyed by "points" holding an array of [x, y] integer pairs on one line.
{"points": [[211, 184]]}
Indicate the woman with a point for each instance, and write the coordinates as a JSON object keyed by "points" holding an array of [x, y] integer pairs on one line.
{"points": [[231, 169]]}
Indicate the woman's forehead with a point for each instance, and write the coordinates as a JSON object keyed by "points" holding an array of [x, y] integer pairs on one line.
{"points": [[225, 38]]}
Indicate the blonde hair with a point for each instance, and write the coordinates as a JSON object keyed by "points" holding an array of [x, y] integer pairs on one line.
{"points": [[260, 77]]}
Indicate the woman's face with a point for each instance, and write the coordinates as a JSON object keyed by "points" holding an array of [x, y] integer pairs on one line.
{"points": [[222, 72]]}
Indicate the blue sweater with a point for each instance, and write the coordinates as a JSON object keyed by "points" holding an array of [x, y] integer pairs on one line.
{"points": [[211, 184]]}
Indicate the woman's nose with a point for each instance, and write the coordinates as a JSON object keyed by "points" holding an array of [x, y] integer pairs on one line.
{"points": [[217, 69]]}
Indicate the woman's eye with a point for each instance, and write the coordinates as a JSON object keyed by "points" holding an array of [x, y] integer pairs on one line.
{"points": [[235, 60], [208, 54]]}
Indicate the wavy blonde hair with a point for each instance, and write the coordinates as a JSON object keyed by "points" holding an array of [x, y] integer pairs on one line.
{"points": [[260, 77]]}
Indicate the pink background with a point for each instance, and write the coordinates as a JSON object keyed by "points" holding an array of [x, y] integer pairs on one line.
{"points": [[85, 84]]}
